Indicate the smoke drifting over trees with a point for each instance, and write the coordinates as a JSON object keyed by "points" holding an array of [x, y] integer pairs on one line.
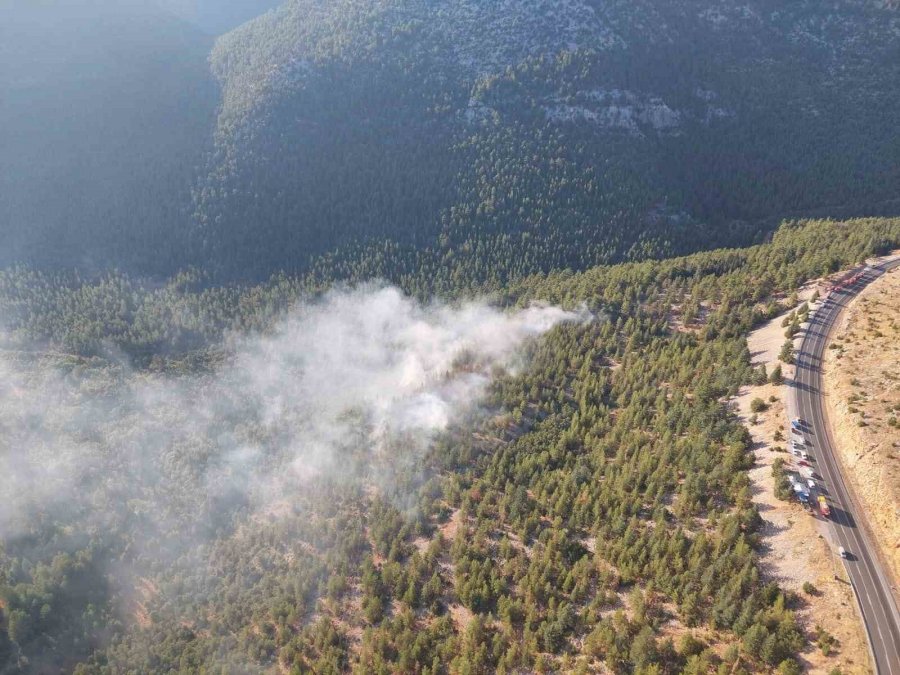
{"points": [[334, 383]]}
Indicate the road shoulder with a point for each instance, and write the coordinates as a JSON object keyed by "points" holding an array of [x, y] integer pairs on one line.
{"points": [[862, 394], [795, 549]]}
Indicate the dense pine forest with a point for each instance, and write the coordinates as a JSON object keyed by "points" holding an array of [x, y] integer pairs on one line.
{"points": [[594, 508], [548, 136], [352, 138]]}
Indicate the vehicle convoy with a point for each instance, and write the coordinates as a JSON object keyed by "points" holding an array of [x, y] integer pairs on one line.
{"points": [[824, 509]]}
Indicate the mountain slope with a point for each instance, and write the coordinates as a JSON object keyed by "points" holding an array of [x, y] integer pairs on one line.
{"points": [[527, 135], [105, 115], [264, 495], [217, 16]]}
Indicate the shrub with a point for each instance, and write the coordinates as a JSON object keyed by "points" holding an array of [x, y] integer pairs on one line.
{"points": [[789, 667], [757, 405], [825, 640], [690, 645], [787, 352], [776, 377], [759, 376]]}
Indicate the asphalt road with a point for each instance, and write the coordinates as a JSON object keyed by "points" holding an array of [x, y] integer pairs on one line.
{"points": [[870, 583]]}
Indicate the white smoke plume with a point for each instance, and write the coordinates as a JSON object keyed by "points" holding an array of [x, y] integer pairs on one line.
{"points": [[95, 444]]}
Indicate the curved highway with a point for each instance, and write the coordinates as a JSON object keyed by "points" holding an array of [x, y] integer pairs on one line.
{"points": [[870, 583]]}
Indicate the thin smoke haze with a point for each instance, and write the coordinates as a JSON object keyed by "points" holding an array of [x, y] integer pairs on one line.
{"points": [[328, 387]]}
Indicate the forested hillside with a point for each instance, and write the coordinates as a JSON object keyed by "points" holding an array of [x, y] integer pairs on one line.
{"points": [[593, 508], [385, 336], [105, 114], [483, 141], [523, 136]]}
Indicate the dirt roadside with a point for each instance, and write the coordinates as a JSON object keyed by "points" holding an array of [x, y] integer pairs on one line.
{"points": [[794, 540]]}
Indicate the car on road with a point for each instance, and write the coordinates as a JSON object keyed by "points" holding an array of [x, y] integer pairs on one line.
{"points": [[843, 553]]}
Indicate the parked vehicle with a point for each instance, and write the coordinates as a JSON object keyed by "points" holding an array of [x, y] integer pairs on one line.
{"points": [[824, 509], [811, 483]]}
